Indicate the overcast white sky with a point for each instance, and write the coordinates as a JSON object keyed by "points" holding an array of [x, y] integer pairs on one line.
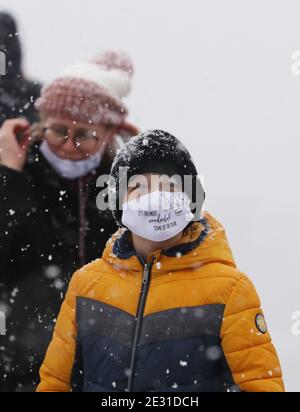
{"points": [[217, 74]]}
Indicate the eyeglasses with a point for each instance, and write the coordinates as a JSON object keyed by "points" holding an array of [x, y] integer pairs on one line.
{"points": [[84, 139]]}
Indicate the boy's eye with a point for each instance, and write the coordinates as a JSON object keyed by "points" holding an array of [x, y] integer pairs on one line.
{"points": [[133, 187], [169, 186], [139, 186]]}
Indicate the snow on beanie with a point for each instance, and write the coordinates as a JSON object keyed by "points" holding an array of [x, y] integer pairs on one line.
{"points": [[154, 151], [90, 92]]}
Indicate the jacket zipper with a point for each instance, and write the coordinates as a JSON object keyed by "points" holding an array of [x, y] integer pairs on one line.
{"points": [[139, 319]]}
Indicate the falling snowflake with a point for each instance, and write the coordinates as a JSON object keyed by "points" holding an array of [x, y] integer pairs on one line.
{"points": [[14, 292], [52, 271], [58, 284], [213, 353]]}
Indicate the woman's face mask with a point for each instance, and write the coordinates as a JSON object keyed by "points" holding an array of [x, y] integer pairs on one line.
{"points": [[157, 215], [70, 169]]}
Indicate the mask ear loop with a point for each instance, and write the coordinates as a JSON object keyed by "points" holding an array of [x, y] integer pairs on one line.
{"points": [[124, 133], [108, 138]]}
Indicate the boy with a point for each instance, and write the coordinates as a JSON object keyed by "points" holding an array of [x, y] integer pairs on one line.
{"points": [[165, 308]]}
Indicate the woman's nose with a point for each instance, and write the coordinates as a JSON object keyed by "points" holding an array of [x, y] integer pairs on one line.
{"points": [[69, 144]]}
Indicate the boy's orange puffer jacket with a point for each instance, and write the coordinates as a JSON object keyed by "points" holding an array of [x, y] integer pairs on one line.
{"points": [[186, 320]]}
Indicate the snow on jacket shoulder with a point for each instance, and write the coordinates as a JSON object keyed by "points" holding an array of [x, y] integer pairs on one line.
{"points": [[187, 320]]}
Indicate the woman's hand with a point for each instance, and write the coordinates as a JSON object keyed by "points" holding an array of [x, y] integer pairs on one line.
{"points": [[12, 151]]}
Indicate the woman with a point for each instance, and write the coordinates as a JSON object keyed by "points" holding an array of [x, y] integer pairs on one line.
{"points": [[49, 222], [165, 308]]}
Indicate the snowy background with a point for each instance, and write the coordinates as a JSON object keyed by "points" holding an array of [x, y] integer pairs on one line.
{"points": [[216, 74]]}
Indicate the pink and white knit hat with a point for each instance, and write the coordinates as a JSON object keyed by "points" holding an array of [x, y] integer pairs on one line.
{"points": [[90, 92]]}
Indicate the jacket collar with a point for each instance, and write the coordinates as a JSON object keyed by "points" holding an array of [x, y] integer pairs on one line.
{"points": [[123, 246], [204, 241]]}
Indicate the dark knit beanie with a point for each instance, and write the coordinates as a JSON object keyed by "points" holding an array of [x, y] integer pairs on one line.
{"points": [[155, 151]]}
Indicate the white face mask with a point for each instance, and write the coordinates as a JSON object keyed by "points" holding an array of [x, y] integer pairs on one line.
{"points": [[70, 169], [158, 215]]}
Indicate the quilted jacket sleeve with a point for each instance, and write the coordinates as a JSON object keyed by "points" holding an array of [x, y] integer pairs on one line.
{"points": [[55, 372], [247, 344]]}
